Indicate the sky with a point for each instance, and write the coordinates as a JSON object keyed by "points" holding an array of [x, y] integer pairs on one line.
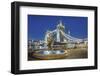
{"points": [[39, 24]]}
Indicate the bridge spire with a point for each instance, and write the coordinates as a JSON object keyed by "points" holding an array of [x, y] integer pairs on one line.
{"points": [[60, 25]]}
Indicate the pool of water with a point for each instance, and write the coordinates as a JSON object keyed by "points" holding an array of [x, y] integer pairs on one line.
{"points": [[47, 52]]}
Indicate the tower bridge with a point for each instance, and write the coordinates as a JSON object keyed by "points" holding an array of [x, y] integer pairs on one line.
{"points": [[59, 35], [58, 38]]}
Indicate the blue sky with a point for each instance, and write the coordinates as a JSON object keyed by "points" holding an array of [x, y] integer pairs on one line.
{"points": [[39, 24]]}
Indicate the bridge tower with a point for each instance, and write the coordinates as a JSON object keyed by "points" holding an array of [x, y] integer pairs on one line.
{"points": [[60, 27]]}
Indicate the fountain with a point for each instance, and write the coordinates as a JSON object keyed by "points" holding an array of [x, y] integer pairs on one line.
{"points": [[50, 53]]}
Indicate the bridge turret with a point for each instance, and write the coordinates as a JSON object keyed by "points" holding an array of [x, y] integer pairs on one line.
{"points": [[60, 26]]}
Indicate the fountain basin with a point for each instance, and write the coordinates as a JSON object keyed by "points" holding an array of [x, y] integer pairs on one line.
{"points": [[50, 54]]}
